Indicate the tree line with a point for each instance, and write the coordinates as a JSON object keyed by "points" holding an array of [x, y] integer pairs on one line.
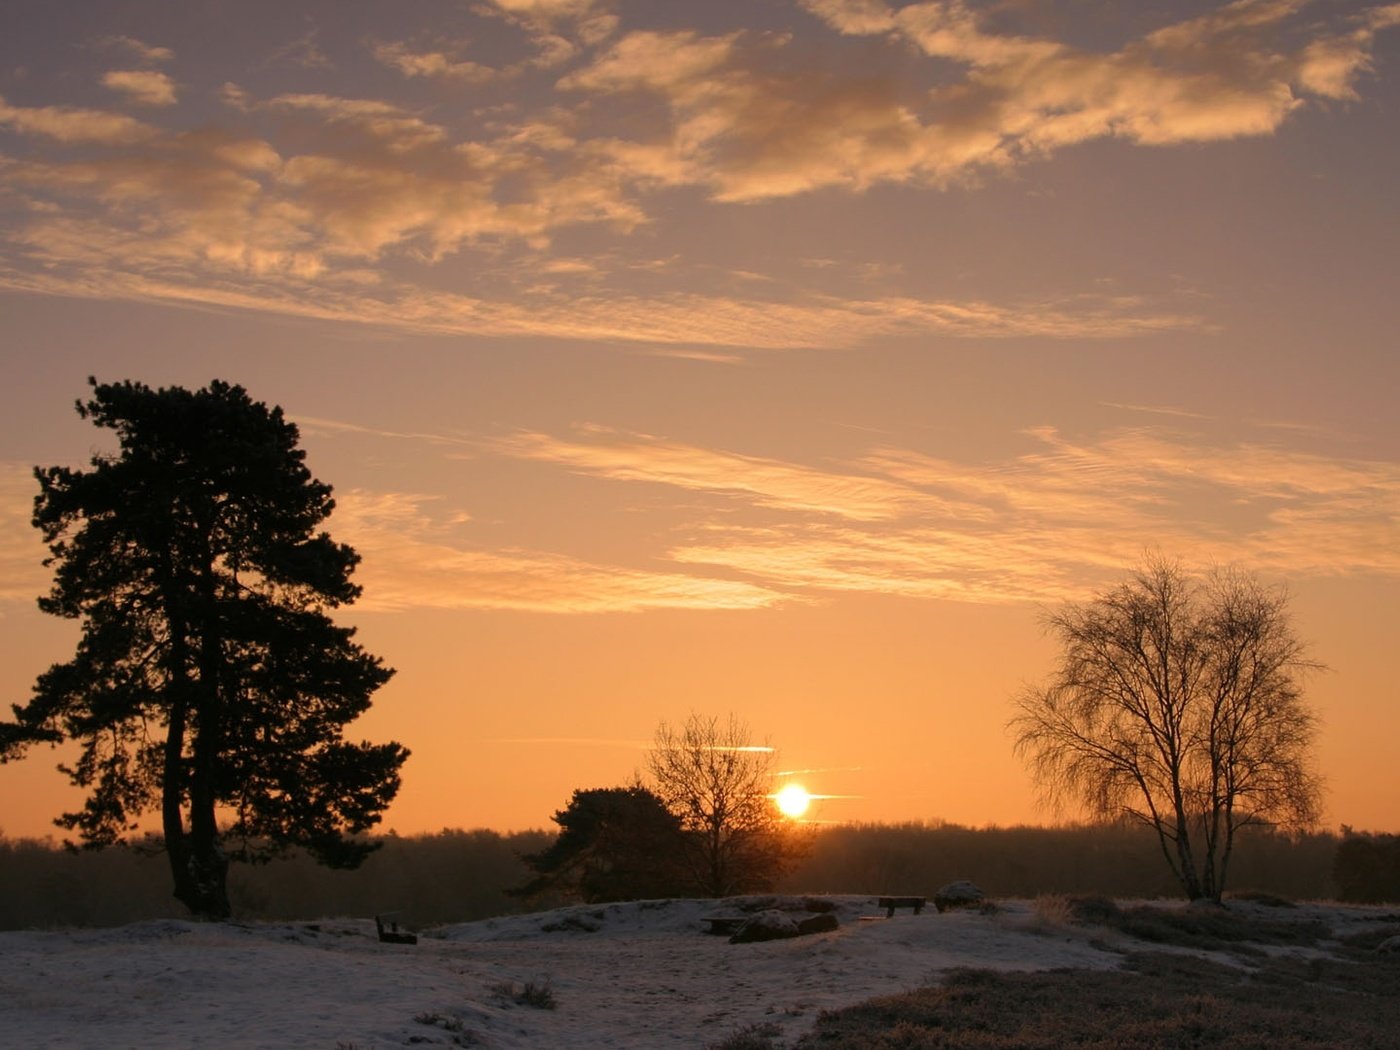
{"points": [[461, 876]]}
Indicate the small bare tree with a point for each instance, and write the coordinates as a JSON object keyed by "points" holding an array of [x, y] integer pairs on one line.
{"points": [[718, 782], [1177, 702]]}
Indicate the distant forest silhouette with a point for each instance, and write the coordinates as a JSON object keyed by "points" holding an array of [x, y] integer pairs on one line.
{"points": [[460, 876]]}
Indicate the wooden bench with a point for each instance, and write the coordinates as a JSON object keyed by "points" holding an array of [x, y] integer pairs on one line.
{"points": [[389, 932], [891, 903]]}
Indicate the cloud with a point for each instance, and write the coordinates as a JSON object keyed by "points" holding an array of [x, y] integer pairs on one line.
{"points": [[372, 177], [764, 482], [69, 124], [749, 131], [853, 17], [304, 52], [558, 29], [412, 562], [198, 199], [144, 52], [22, 552], [1060, 518], [546, 9], [321, 211], [1053, 522], [381, 121], [431, 64], [142, 86], [680, 64], [1158, 410], [1331, 66], [295, 286]]}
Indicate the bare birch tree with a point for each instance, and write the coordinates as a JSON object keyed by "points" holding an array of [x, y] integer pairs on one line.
{"points": [[718, 782], [1177, 702]]}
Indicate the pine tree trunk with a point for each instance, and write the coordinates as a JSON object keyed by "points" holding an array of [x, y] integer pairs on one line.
{"points": [[199, 867]]}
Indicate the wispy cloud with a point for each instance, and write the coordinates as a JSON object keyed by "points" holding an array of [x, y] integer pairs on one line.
{"points": [[431, 64], [142, 51], [687, 320], [1062, 516], [22, 574], [1155, 410], [558, 29], [1040, 526], [412, 561], [304, 52], [763, 482], [381, 121]]}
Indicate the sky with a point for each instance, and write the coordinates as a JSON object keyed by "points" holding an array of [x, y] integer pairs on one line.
{"points": [[788, 358]]}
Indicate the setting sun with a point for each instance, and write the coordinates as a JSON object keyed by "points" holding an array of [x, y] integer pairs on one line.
{"points": [[793, 800]]}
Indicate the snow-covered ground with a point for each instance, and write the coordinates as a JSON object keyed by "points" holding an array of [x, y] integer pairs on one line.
{"points": [[641, 975]]}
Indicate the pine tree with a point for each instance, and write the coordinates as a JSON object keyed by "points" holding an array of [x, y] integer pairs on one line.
{"points": [[209, 680]]}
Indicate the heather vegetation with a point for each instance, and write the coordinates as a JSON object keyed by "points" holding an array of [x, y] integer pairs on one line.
{"points": [[1267, 988], [464, 875], [1160, 1000]]}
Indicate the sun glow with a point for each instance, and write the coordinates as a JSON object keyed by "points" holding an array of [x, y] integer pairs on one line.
{"points": [[793, 800]]}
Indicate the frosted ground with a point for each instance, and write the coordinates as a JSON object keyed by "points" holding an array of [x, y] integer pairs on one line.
{"points": [[637, 975]]}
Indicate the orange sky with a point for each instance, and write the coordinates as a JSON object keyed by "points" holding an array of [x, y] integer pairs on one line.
{"points": [[785, 358]]}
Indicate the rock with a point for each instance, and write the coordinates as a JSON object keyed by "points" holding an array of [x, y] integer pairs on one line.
{"points": [[1389, 946], [957, 895], [824, 922], [765, 926]]}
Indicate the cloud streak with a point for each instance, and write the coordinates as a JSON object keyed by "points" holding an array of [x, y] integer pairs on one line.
{"points": [[1041, 526], [680, 319], [23, 577], [1048, 524], [411, 561]]}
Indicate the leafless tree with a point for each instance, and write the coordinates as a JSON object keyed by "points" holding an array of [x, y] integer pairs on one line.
{"points": [[1177, 702], [718, 782]]}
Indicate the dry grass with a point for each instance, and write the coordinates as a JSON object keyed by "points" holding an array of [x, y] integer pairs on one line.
{"points": [[1211, 927], [1053, 909], [1267, 988]]}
